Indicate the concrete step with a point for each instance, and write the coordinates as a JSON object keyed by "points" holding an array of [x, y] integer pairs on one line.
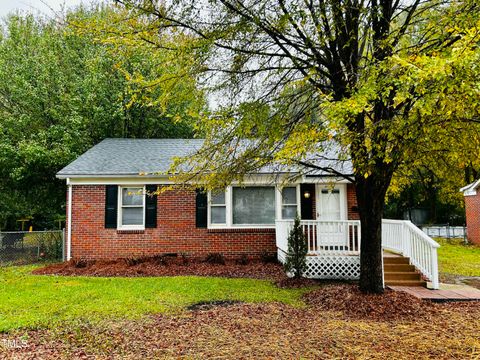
{"points": [[406, 283], [402, 275], [398, 267], [395, 260]]}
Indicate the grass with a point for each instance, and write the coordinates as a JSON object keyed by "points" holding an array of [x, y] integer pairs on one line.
{"points": [[32, 301], [456, 258]]}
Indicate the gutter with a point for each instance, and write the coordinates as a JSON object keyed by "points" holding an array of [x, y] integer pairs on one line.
{"points": [[69, 218]]}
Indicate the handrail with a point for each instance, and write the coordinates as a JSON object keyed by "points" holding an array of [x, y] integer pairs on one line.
{"points": [[343, 238], [420, 233], [403, 237]]}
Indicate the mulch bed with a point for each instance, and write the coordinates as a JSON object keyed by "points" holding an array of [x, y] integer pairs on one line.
{"points": [[389, 306], [166, 266], [347, 299], [261, 331]]}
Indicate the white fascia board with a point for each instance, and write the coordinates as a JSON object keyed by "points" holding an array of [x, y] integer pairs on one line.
{"points": [[470, 189], [325, 180], [123, 180], [252, 179]]}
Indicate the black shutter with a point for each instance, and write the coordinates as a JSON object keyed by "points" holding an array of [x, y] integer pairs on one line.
{"points": [[151, 207], [111, 201], [201, 209]]}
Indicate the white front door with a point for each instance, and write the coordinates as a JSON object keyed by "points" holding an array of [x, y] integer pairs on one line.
{"points": [[331, 209]]}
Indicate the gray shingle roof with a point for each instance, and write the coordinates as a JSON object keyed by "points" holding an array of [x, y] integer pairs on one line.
{"points": [[129, 157]]}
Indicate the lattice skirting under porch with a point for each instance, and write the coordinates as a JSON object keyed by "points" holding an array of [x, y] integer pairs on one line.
{"points": [[333, 267], [330, 266]]}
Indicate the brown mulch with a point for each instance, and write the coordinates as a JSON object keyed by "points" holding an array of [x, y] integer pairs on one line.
{"points": [[165, 266], [347, 299], [260, 331]]}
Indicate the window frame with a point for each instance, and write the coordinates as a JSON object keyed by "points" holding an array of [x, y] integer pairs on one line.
{"points": [[120, 207], [229, 207], [209, 210], [255, 225], [297, 199]]}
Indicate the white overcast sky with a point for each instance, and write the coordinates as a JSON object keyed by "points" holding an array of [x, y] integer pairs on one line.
{"points": [[37, 6]]}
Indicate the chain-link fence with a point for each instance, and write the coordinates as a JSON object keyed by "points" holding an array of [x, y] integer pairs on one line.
{"points": [[24, 247]]}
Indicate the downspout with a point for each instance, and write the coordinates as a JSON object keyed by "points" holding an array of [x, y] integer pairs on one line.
{"points": [[69, 218]]}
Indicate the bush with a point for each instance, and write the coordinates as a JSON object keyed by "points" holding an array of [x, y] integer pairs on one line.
{"points": [[296, 261], [50, 244], [131, 261], [79, 263], [185, 258], [243, 260], [215, 258], [268, 257]]}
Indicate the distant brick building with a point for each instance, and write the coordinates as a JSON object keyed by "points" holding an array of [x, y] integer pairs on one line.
{"points": [[472, 208]]}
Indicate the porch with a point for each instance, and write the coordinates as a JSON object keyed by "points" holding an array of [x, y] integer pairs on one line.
{"points": [[334, 248]]}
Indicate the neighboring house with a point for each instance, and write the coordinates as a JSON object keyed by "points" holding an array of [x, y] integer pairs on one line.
{"points": [[471, 195], [110, 213]]}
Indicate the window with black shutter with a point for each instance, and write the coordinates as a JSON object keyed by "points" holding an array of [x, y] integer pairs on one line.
{"points": [[111, 204], [201, 209], [151, 207]]}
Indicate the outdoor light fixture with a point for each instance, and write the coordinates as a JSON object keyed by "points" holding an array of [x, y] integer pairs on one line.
{"points": [[306, 195]]}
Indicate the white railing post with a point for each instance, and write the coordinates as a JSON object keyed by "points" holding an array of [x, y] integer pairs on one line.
{"points": [[330, 237], [435, 280], [406, 244]]}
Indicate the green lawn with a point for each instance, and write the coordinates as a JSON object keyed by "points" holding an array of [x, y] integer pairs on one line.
{"points": [[31, 301], [456, 258]]}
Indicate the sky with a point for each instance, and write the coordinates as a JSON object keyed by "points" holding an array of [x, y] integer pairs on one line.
{"points": [[36, 6]]}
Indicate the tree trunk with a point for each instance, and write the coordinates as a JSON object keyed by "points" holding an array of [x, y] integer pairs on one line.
{"points": [[371, 198]]}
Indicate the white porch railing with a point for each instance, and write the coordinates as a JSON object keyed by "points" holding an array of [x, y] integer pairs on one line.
{"points": [[403, 237], [336, 243], [334, 237], [333, 247]]}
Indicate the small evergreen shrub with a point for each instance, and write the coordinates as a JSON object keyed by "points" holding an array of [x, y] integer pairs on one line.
{"points": [[296, 259]]}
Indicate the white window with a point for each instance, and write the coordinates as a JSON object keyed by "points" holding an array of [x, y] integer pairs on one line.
{"points": [[289, 202], [253, 205], [218, 208], [131, 209]]}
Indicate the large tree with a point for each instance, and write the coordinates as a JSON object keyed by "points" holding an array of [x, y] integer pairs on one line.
{"points": [[63, 90], [384, 81]]}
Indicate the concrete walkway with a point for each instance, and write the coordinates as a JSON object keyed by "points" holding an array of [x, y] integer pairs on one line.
{"points": [[447, 292]]}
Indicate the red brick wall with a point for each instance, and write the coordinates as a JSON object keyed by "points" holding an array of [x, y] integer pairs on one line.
{"points": [[472, 208], [175, 232], [352, 203]]}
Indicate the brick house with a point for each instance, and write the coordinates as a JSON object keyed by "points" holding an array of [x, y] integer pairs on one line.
{"points": [[471, 195], [122, 203]]}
